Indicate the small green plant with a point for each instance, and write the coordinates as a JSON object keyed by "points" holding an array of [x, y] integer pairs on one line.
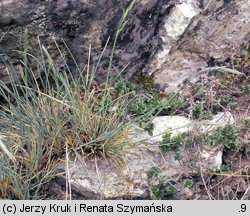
{"points": [[155, 192], [162, 190], [170, 143], [245, 52], [246, 89], [167, 143], [225, 168], [143, 98], [246, 123], [170, 189], [226, 136], [188, 183], [143, 105], [149, 128], [207, 114], [197, 110], [225, 100], [174, 102], [234, 105], [140, 101], [154, 172], [147, 82]]}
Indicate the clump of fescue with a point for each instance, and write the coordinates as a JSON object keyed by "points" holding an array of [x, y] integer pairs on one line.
{"points": [[58, 112], [44, 117]]}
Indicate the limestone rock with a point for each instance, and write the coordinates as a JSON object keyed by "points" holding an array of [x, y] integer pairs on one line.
{"points": [[219, 120], [173, 124], [128, 178], [211, 157], [171, 39], [217, 32], [103, 178]]}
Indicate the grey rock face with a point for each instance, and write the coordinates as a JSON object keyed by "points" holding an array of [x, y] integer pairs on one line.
{"points": [[172, 39], [79, 24], [217, 32]]}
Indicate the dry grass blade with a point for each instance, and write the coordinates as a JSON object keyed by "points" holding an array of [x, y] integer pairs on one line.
{"points": [[6, 151], [221, 69]]}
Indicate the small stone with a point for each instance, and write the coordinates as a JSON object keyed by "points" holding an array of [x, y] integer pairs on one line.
{"points": [[211, 158]]}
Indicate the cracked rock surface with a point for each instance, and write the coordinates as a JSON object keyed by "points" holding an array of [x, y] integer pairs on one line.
{"points": [[106, 179], [171, 39]]}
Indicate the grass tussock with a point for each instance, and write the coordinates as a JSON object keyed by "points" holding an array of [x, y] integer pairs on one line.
{"points": [[61, 111]]}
